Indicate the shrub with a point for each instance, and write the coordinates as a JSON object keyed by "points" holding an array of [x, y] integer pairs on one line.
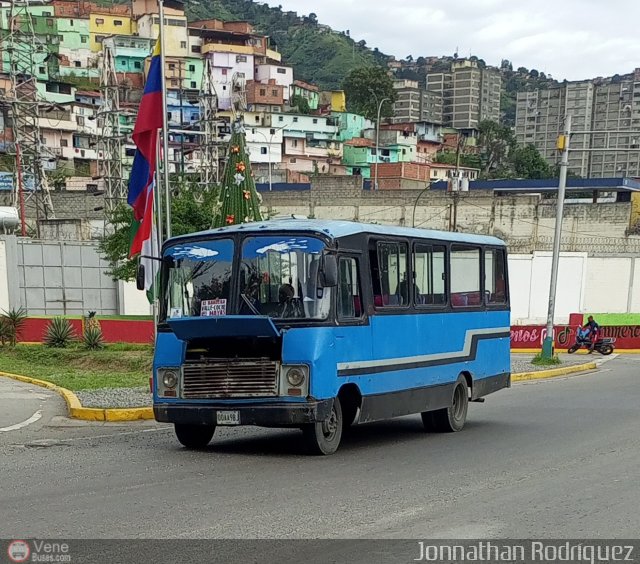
{"points": [[15, 319], [59, 333], [539, 360], [6, 332], [92, 338]]}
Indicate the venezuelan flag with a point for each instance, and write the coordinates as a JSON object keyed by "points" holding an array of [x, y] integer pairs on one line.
{"points": [[145, 137]]}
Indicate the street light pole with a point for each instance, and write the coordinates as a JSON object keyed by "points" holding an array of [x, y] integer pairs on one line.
{"points": [[275, 130], [379, 104], [375, 181], [562, 145]]}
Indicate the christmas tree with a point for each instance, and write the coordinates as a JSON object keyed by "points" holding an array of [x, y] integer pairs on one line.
{"points": [[239, 202]]}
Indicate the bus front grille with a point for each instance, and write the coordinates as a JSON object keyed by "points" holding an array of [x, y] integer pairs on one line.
{"points": [[230, 378]]}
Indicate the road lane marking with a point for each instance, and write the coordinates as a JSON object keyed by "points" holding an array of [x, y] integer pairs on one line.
{"points": [[35, 417]]}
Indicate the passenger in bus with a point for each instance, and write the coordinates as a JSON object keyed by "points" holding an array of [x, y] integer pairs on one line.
{"points": [[403, 291]]}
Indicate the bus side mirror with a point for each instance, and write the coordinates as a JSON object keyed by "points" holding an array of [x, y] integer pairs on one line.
{"points": [[329, 272], [140, 277]]}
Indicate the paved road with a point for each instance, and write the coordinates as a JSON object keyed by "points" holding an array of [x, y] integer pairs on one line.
{"points": [[23, 405], [555, 458]]}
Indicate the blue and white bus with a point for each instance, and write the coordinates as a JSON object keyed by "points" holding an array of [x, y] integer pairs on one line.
{"points": [[321, 324]]}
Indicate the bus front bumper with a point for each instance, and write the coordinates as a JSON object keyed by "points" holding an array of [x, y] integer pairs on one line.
{"points": [[283, 414]]}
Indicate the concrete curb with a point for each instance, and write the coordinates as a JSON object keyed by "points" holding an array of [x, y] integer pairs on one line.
{"points": [[76, 411], [553, 372]]}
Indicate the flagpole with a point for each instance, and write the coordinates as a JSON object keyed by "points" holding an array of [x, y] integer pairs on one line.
{"points": [[158, 219], [157, 192], [165, 126]]}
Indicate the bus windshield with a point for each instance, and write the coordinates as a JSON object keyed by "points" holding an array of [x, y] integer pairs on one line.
{"points": [[199, 279], [278, 277]]}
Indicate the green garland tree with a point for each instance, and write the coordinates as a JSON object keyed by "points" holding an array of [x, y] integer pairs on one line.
{"points": [[239, 201]]}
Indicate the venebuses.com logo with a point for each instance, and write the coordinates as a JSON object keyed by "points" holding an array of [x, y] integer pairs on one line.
{"points": [[38, 551], [18, 551]]}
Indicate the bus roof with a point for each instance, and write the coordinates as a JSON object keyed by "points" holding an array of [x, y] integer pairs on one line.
{"points": [[336, 229]]}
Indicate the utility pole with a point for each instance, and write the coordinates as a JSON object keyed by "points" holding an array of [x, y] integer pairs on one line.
{"points": [[26, 51], [110, 138], [375, 181], [453, 221], [209, 154], [562, 145]]}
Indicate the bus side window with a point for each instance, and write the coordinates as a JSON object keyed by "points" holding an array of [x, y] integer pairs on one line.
{"points": [[349, 298], [429, 280], [494, 276], [393, 275], [465, 276]]}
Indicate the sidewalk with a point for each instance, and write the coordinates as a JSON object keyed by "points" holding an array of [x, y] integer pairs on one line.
{"points": [[521, 362]]}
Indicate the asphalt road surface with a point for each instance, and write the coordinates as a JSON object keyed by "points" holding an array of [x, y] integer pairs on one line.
{"points": [[551, 459]]}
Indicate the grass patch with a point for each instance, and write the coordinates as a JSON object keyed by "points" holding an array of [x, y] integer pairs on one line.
{"points": [[540, 360], [75, 368]]}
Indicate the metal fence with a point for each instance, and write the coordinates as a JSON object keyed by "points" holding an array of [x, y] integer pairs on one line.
{"points": [[63, 278]]}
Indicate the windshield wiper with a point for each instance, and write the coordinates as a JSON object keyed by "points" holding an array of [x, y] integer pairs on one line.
{"points": [[248, 302]]}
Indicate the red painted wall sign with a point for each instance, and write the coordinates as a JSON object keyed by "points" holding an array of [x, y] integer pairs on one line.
{"points": [[522, 336], [531, 336]]}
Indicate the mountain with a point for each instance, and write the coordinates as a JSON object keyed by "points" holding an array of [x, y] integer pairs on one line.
{"points": [[318, 53], [325, 56]]}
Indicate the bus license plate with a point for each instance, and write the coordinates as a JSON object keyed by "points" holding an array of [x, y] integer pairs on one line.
{"points": [[228, 417]]}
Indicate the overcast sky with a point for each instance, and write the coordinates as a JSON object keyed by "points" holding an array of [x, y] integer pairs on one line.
{"points": [[572, 39]]}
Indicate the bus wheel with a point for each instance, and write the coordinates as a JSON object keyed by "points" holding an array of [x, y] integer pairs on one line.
{"points": [[194, 436], [450, 419], [324, 437]]}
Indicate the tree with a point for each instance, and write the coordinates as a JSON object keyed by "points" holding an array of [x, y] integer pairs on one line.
{"points": [[505, 65], [238, 201], [365, 88], [451, 158], [190, 212], [300, 103], [529, 163], [496, 142]]}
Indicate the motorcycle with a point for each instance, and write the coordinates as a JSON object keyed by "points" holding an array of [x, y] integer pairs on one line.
{"points": [[604, 346]]}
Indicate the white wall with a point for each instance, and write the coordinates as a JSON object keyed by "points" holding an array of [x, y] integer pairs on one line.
{"points": [[132, 301], [585, 284], [4, 282], [264, 73], [607, 284], [520, 267]]}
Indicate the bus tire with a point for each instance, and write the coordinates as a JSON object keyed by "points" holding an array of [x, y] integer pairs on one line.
{"points": [[324, 438], [194, 436], [450, 419]]}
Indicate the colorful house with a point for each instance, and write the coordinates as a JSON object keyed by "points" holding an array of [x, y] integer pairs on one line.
{"points": [[358, 156], [395, 146], [76, 57], [104, 22], [351, 125], [129, 52], [333, 101], [308, 91]]}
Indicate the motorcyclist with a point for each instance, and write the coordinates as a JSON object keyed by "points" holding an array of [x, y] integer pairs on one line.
{"points": [[593, 330]]}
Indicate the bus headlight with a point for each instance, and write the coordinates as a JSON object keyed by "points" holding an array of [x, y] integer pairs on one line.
{"points": [[294, 380], [168, 377], [295, 377]]}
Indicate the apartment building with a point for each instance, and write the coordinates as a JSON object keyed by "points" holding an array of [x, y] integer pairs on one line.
{"points": [[415, 103], [610, 108], [469, 94]]}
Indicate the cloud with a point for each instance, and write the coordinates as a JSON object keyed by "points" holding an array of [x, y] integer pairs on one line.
{"points": [[193, 252], [572, 39]]}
